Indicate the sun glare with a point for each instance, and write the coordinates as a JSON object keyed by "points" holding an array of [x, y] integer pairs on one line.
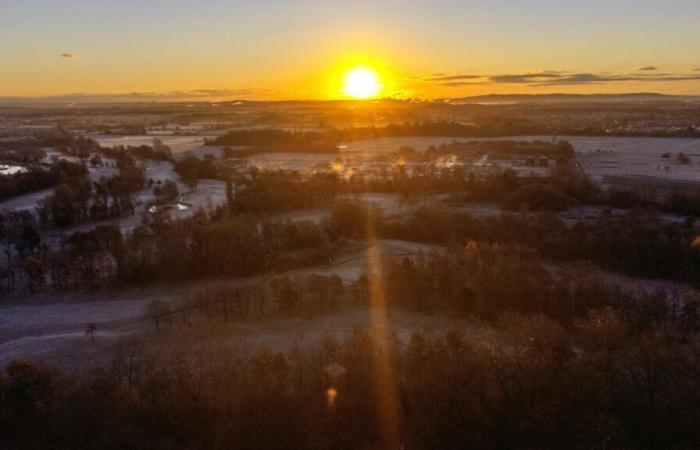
{"points": [[361, 83]]}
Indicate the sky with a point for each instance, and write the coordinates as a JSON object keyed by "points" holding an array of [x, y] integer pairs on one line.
{"points": [[299, 49]]}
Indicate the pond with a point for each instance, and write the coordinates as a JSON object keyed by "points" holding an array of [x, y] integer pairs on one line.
{"points": [[11, 169]]}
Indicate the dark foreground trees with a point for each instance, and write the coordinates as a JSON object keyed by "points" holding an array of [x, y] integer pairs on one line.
{"points": [[526, 384]]}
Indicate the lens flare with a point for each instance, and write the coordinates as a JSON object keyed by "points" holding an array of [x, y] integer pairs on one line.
{"points": [[331, 395], [387, 391]]}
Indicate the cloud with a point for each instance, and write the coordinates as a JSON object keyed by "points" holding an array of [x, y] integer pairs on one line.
{"points": [[221, 93], [447, 78], [648, 68], [189, 95], [462, 83], [524, 78], [197, 95], [592, 78], [560, 78], [69, 55]]}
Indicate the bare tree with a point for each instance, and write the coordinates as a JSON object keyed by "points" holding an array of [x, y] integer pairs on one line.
{"points": [[91, 329], [157, 311]]}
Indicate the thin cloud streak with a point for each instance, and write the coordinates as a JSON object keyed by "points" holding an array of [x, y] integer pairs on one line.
{"points": [[559, 78], [442, 77], [172, 96]]}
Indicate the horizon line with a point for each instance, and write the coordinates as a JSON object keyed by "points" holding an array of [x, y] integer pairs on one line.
{"points": [[210, 96]]}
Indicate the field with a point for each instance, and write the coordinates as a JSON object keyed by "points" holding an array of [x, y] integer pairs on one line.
{"points": [[51, 328], [598, 156], [177, 144]]}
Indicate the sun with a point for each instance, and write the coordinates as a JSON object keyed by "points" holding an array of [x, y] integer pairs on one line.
{"points": [[361, 83]]}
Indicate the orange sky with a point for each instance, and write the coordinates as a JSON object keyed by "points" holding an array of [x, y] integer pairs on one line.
{"points": [[299, 49]]}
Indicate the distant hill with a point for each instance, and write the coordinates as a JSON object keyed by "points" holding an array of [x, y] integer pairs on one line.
{"points": [[200, 95], [645, 97], [257, 96]]}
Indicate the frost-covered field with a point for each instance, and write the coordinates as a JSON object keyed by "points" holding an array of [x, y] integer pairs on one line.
{"points": [[301, 162], [26, 202], [598, 155], [177, 144], [635, 157], [51, 328], [208, 195]]}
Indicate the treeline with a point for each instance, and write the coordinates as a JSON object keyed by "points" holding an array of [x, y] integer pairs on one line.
{"points": [[275, 139], [156, 152], [330, 137], [23, 155], [77, 199], [526, 384], [193, 248], [264, 191], [226, 241], [440, 128], [271, 137], [566, 189], [637, 243], [273, 192], [274, 296], [64, 174], [483, 281], [37, 179], [192, 169], [72, 145], [225, 244]]}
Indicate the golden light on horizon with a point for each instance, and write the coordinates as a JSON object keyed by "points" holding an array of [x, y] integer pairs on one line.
{"points": [[361, 83]]}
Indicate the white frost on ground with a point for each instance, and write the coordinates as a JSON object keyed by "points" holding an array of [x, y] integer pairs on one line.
{"points": [[301, 162], [209, 194], [26, 202], [177, 144], [52, 328], [618, 156], [54, 331]]}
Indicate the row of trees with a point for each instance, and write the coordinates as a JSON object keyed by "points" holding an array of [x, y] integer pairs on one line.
{"points": [[279, 140], [78, 200], [526, 384], [638, 242], [36, 178], [480, 281], [566, 188], [280, 137], [274, 192], [222, 245]]}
